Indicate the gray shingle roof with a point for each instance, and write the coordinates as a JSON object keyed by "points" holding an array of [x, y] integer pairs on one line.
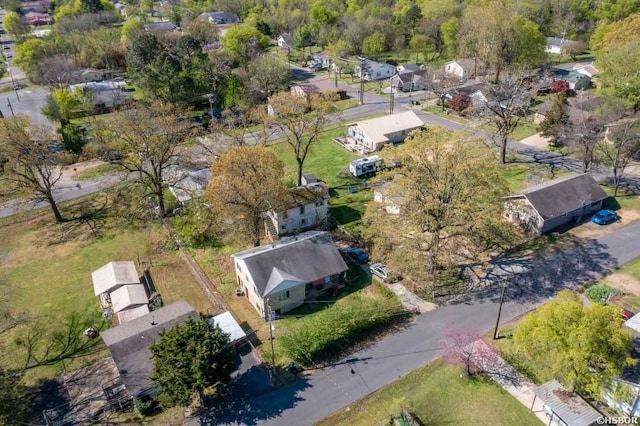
{"points": [[563, 195], [129, 343], [306, 257], [567, 405]]}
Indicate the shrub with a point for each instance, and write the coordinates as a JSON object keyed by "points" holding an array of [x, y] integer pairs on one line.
{"points": [[331, 330], [559, 86], [459, 103], [143, 406], [600, 293]]}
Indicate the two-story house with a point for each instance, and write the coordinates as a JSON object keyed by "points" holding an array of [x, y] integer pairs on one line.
{"points": [[306, 208]]}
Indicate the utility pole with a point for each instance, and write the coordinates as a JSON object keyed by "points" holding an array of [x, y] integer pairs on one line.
{"points": [[273, 354], [335, 74], [391, 100], [10, 107], [13, 82], [495, 332], [210, 97]]}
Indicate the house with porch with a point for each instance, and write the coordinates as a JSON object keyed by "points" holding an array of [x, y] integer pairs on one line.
{"points": [[370, 70], [306, 207], [409, 81], [544, 207], [220, 18], [558, 46], [285, 41], [372, 134], [276, 278]]}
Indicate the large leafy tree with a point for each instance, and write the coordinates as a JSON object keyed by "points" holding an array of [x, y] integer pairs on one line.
{"points": [[449, 190], [267, 75], [301, 120], [583, 347], [493, 33], [32, 166], [190, 358], [244, 42], [14, 24], [246, 182]]}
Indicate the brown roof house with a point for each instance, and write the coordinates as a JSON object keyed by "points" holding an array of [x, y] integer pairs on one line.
{"points": [[543, 208], [328, 86], [279, 277]]}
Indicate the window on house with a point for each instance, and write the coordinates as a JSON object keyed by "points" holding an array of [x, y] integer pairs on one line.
{"points": [[303, 221], [301, 209], [284, 227], [283, 295]]}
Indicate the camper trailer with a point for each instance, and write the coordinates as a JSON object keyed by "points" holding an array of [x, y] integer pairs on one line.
{"points": [[366, 166]]}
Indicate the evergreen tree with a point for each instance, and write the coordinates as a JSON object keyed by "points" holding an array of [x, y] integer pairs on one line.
{"points": [[190, 358], [556, 119]]}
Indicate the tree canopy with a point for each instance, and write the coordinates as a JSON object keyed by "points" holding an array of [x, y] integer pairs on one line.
{"points": [[190, 358], [246, 182], [583, 347]]}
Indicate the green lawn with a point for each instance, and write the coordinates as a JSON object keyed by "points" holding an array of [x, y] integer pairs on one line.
{"points": [[326, 159], [437, 395], [45, 273], [524, 129]]}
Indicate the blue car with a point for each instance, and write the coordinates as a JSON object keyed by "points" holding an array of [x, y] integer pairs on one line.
{"points": [[357, 254], [604, 217]]}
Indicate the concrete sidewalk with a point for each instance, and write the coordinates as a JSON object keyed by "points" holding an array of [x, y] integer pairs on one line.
{"points": [[506, 376]]}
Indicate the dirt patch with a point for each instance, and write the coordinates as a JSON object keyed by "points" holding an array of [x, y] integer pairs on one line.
{"points": [[624, 282], [591, 230]]}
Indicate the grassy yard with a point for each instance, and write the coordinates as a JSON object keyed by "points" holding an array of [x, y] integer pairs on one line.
{"points": [[45, 273], [437, 395], [98, 171], [437, 110], [524, 129], [326, 158], [520, 176]]}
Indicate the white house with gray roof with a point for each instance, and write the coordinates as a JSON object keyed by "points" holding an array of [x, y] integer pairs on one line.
{"points": [[372, 134], [280, 277], [564, 407], [542, 208]]}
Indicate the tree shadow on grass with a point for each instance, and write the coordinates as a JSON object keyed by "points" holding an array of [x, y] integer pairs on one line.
{"points": [[533, 280], [346, 214]]}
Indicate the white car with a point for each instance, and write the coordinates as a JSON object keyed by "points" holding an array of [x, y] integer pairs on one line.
{"points": [[380, 271]]}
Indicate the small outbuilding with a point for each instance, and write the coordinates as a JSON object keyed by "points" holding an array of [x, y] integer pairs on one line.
{"points": [[564, 407], [229, 325], [114, 275], [542, 208]]}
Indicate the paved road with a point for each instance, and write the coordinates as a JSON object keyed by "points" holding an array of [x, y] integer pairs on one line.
{"points": [[309, 400], [61, 193]]}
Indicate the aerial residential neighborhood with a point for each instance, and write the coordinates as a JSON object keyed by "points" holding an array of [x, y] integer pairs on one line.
{"points": [[319, 213]]}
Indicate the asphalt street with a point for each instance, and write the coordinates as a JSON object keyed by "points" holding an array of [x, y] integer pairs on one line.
{"points": [[333, 388]]}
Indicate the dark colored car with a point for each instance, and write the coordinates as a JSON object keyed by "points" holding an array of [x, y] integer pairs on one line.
{"points": [[357, 254], [604, 217]]}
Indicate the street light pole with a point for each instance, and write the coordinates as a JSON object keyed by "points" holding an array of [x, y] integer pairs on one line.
{"points": [[13, 82], [10, 107], [273, 354]]}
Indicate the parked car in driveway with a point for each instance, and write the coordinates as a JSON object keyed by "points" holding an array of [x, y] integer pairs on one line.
{"points": [[604, 217], [357, 254], [382, 272]]}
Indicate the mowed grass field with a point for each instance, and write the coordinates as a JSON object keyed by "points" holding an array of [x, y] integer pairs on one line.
{"points": [[437, 395], [47, 278]]}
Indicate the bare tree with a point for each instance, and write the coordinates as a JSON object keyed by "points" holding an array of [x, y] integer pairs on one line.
{"points": [[267, 75], [620, 148], [585, 133], [251, 126], [507, 104], [440, 84], [301, 120], [146, 141], [33, 165]]}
